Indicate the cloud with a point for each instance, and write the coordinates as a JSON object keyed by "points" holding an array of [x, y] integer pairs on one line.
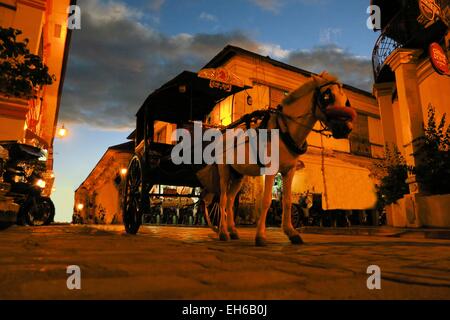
{"points": [[275, 6], [330, 35], [114, 65], [208, 17], [156, 5], [351, 69], [274, 51], [269, 5]]}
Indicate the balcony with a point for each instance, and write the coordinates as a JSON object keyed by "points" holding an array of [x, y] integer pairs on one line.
{"points": [[403, 30]]}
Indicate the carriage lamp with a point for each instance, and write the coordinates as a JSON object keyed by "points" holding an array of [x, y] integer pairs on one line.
{"points": [[41, 183], [123, 171], [182, 88], [80, 206], [62, 132]]}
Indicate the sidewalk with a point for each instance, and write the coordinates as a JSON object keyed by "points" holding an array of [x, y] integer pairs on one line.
{"points": [[385, 231]]}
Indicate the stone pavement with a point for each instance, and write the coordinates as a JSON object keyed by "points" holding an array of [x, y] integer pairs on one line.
{"points": [[188, 263]]}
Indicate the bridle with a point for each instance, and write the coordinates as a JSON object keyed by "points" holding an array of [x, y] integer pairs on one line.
{"points": [[321, 101]]}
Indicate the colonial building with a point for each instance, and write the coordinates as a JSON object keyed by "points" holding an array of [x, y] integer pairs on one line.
{"points": [[97, 200], [44, 24], [338, 170], [410, 61]]}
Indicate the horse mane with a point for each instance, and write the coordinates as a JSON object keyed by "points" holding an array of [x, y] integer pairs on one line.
{"points": [[309, 86]]}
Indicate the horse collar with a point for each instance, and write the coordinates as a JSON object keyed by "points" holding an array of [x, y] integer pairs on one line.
{"points": [[287, 138]]}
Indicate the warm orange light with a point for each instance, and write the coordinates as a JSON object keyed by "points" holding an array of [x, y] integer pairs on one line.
{"points": [[123, 171], [80, 206], [62, 132]]}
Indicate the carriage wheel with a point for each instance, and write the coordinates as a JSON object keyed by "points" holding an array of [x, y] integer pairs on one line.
{"points": [[133, 197], [212, 214], [210, 210], [296, 216]]}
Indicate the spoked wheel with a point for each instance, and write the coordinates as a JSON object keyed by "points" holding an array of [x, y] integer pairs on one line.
{"points": [[39, 211], [297, 216], [211, 211], [133, 197]]}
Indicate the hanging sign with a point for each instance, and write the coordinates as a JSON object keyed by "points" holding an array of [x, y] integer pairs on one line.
{"points": [[432, 10], [429, 9], [221, 78], [439, 59]]}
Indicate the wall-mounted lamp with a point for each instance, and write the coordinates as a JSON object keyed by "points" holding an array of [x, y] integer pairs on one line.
{"points": [[61, 132]]}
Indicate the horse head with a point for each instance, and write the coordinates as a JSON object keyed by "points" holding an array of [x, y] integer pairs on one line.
{"points": [[332, 107]]}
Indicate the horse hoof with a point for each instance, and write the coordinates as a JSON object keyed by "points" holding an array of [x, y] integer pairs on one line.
{"points": [[234, 236], [260, 242], [296, 240], [224, 237]]}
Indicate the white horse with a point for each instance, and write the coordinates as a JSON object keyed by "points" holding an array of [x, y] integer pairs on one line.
{"points": [[322, 99]]}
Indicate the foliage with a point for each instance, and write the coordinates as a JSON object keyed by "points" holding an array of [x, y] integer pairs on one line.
{"points": [[20, 71], [433, 170], [393, 184]]}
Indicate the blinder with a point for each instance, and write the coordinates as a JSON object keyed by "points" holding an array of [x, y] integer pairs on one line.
{"points": [[325, 99]]}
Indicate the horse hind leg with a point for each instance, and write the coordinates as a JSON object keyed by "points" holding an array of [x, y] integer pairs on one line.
{"points": [[225, 178], [234, 189]]}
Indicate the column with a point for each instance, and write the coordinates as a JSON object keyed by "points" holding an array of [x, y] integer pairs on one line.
{"points": [[383, 92], [404, 63]]}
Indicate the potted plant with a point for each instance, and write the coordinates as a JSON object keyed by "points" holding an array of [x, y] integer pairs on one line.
{"points": [[393, 186], [21, 72]]}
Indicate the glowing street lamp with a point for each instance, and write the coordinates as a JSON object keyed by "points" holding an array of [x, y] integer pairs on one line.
{"points": [[123, 171], [80, 206], [62, 132]]}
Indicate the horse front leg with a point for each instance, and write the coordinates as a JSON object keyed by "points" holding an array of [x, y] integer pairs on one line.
{"points": [[261, 239], [288, 228], [235, 187]]}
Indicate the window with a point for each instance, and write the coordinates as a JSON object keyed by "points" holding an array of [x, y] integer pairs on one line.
{"points": [[161, 135], [276, 97], [359, 139]]}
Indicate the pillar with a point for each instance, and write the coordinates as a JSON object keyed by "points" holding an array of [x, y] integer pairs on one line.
{"points": [[383, 92], [403, 63]]}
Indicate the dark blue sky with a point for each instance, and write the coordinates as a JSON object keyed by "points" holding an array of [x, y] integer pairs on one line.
{"points": [[126, 49]]}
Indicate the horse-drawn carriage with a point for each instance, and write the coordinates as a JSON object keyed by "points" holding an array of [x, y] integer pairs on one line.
{"points": [[156, 189], [187, 100]]}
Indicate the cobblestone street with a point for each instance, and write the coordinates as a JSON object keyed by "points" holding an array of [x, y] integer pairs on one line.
{"points": [[185, 263]]}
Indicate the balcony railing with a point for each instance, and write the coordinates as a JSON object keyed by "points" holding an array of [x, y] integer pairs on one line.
{"points": [[404, 30], [383, 49], [397, 34]]}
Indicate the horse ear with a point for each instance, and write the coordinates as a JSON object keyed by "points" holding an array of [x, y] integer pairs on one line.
{"points": [[317, 79]]}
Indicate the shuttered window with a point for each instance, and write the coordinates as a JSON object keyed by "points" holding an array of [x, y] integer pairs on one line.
{"points": [[359, 139]]}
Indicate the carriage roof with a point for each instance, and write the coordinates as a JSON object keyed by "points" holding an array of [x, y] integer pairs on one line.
{"points": [[184, 98]]}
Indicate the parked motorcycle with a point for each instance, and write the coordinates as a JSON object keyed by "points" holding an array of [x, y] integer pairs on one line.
{"points": [[23, 172]]}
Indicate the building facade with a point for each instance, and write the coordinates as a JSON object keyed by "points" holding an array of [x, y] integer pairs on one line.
{"points": [[44, 24], [97, 200], [340, 171], [410, 60]]}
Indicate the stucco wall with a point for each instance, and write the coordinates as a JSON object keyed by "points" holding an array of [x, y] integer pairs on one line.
{"points": [[434, 89]]}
